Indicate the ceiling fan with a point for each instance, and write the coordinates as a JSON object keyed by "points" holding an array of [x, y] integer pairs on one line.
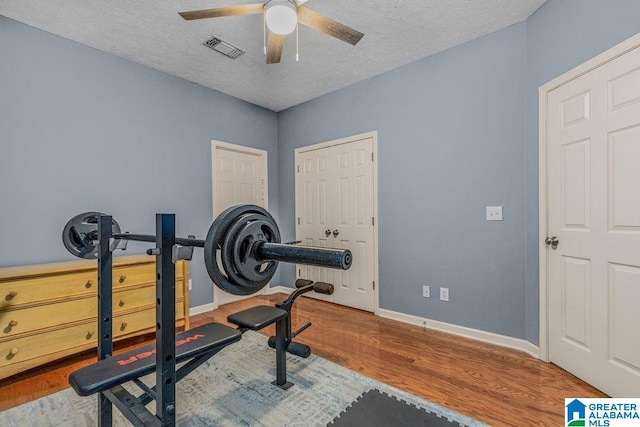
{"points": [[281, 18]]}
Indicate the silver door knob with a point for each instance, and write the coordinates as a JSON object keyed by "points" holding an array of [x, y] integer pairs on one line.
{"points": [[335, 233], [327, 233], [552, 241]]}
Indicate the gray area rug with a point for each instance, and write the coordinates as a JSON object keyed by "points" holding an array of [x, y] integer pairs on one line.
{"points": [[234, 388]]}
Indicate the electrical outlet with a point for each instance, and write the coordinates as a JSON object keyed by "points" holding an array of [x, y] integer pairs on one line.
{"points": [[444, 294], [426, 291], [190, 284], [494, 213]]}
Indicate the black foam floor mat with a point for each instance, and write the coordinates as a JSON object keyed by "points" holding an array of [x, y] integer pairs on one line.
{"points": [[376, 409]]}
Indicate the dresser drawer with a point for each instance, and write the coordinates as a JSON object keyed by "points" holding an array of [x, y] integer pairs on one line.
{"points": [[128, 275], [37, 289], [133, 275], [127, 299], [25, 320], [133, 323], [34, 346]]}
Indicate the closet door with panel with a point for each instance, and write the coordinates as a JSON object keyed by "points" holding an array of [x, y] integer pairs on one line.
{"points": [[335, 208]]}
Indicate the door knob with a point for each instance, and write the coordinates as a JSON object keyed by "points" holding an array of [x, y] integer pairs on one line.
{"points": [[327, 233], [335, 233], [552, 241]]}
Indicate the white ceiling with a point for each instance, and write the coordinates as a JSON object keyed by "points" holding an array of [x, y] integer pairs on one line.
{"points": [[152, 33]]}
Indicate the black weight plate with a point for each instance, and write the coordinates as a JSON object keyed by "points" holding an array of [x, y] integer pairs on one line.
{"points": [[238, 247], [226, 253], [213, 244], [225, 278], [80, 231]]}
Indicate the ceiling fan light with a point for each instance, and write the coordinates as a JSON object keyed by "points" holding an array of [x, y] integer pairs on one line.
{"points": [[281, 16]]}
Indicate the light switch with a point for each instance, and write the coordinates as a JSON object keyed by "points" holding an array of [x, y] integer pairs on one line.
{"points": [[494, 213]]}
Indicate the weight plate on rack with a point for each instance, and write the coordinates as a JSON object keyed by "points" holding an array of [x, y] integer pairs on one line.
{"points": [[81, 231], [238, 248], [218, 256]]}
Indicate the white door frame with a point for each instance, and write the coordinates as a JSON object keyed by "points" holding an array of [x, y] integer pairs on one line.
{"points": [[374, 136], [543, 91], [262, 154]]}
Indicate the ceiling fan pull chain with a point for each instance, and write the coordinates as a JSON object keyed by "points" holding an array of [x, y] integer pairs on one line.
{"points": [[264, 32]]}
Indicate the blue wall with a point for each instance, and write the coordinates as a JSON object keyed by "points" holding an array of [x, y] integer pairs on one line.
{"points": [[450, 142], [84, 130], [561, 35]]}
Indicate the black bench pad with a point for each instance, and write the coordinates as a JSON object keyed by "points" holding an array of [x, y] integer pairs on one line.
{"points": [[141, 361], [256, 318]]}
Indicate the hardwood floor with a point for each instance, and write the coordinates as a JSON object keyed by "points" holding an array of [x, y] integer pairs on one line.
{"points": [[492, 384]]}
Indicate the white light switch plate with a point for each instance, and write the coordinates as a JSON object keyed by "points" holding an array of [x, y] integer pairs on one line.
{"points": [[494, 213]]}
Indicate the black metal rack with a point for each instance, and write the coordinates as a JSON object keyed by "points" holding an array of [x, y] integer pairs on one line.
{"points": [[165, 390]]}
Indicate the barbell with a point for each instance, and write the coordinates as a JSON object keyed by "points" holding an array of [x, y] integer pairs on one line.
{"points": [[241, 251]]}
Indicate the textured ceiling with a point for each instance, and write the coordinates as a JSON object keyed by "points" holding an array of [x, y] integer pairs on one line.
{"points": [[152, 33]]}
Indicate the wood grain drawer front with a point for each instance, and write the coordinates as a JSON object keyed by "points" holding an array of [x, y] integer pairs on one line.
{"points": [[44, 288], [132, 275], [39, 317], [137, 275], [130, 298], [134, 322], [30, 347], [143, 296]]}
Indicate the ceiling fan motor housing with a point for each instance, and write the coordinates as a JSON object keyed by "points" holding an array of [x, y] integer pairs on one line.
{"points": [[281, 16]]}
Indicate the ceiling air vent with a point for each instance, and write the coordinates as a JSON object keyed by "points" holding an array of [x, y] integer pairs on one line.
{"points": [[224, 47]]}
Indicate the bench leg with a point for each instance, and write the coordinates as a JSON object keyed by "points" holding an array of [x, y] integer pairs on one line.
{"points": [[281, 354]]}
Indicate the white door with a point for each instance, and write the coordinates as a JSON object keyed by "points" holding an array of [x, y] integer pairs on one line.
{"points": [[335, 207], [593, 196], [239, 177]]}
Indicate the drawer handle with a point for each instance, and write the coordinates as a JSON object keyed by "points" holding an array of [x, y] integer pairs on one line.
{"points": [[123, 278], [13, 323], [89, 334], [12, 294], [88, 284], [123, 326], [121, 303], [13, 351]]}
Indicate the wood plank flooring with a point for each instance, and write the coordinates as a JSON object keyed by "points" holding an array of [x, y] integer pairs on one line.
{"points": [[499, 386]]}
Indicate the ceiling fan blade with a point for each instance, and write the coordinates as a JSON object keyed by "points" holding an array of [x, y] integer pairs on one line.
{"points": [[274, 48], [244, 9], [326, 25]]}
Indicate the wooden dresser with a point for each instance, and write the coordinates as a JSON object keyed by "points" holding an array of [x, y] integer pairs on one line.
{"points": [[49, 311]]}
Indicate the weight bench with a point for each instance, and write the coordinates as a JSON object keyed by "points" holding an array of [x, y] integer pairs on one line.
{"points": [[198, 344]]}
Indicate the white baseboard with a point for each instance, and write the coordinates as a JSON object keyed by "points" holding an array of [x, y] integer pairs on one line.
{"points": [[476, 334], [202, 309], [277, 289]]}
